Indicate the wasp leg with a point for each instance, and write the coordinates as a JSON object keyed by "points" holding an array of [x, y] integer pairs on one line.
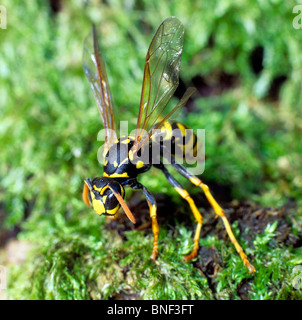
{"points": [[155, 228], [153, 209], [218, 210], [85, 195], [185, 195]]}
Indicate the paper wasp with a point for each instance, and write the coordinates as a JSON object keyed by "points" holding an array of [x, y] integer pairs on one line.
{"points": [[161, 77]]}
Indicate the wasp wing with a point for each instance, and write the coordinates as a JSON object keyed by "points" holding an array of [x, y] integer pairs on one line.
{"points": [[94, 69], [179, 105], [161, 76]]}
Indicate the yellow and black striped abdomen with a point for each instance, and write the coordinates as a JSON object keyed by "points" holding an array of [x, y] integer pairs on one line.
{"points": [[184, 142]]}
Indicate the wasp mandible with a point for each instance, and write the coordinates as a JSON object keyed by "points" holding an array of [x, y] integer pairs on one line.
{"points": [[122, 157]]}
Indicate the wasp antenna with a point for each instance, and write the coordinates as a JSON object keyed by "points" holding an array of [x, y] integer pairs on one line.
{"points": [[86, 188], [124, 205]]}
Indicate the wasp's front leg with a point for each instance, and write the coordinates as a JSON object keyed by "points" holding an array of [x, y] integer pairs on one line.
{"points": [[153, 211]]}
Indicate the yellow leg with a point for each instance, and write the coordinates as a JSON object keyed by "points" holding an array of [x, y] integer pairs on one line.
{"points": [[155, 230], [220, 212], [185, 195], [153, 208]]}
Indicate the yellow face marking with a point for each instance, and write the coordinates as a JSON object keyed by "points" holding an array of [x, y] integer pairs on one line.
{"points": [[113, 211], [103, 190], [98, 207], [97, 189], [139, 164], [100, 190], [91, 195], [115, 164], [130, 155], [116, 175]]}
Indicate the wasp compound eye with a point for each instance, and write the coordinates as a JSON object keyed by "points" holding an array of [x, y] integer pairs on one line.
{"points": [[111, 204]]}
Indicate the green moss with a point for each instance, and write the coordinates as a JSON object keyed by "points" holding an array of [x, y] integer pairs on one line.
{"points": [[48, 136]]}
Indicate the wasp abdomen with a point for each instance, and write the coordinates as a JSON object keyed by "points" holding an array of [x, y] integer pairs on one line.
{"points": [[179, 137]]}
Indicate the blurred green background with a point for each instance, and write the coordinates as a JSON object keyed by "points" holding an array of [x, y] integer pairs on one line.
{"points": [[244, 58]]}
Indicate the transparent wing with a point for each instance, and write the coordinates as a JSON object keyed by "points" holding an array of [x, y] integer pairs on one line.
{"points": [[161, 76], [94, 69], [153, 130]]}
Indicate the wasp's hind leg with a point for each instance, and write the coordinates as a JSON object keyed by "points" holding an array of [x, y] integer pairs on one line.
{"points": [[153, 209], [218, 210], [185, 195]]}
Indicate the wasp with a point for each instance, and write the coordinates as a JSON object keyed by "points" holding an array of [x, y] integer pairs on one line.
{"points": [[122, 158]]}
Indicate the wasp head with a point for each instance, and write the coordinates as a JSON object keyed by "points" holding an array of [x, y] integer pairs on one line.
{"points": [[102, 195]]}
